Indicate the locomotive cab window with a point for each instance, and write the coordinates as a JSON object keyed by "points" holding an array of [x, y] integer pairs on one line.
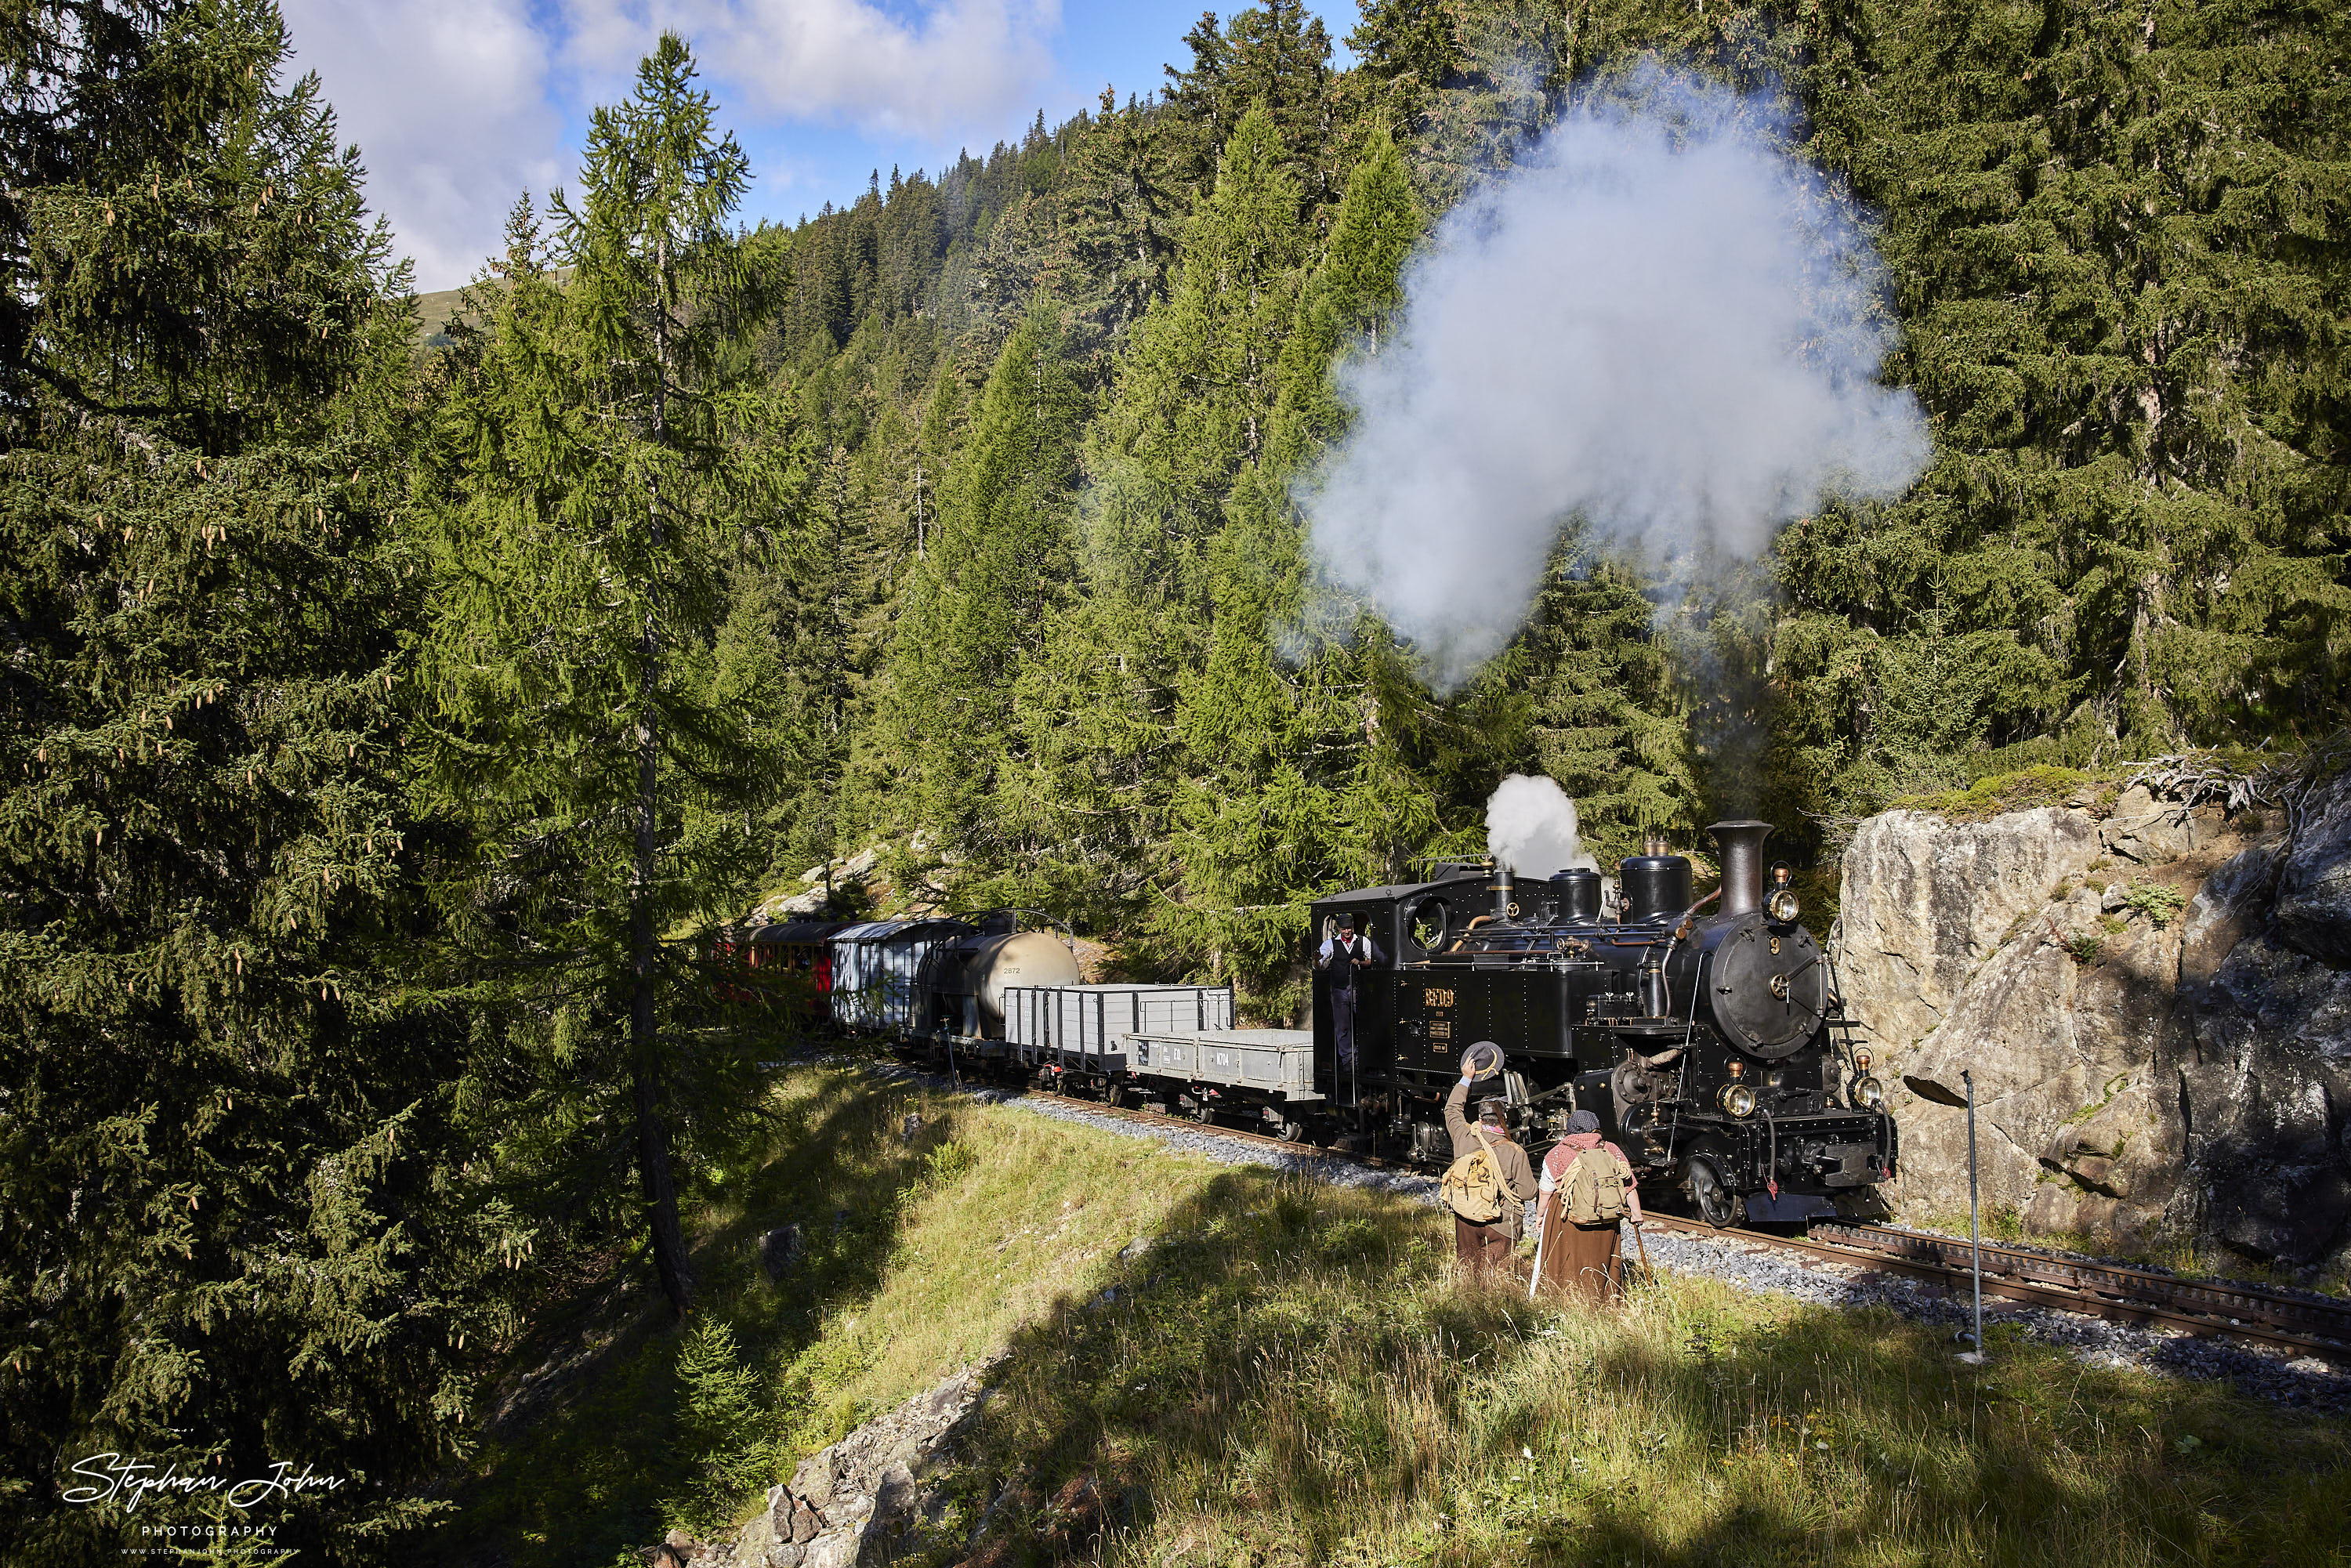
{"points": [[1429, 925]]}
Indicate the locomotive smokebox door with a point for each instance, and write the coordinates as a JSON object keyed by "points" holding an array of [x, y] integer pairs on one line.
{"points": [[1769, 987], [1765, 981]]}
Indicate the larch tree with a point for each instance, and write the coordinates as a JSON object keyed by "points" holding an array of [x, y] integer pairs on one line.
{"points": [[1000, 559], [610, 452]]}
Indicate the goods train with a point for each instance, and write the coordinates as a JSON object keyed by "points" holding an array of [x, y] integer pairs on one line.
{"points": [[1711, 1043]]}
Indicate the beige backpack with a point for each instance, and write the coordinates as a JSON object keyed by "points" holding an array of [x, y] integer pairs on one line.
{"points": [[1472, 1187], [1593, 1193]]}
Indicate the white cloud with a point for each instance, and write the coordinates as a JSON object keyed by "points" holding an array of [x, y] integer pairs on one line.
{"points": [[958, 65], [448, 102], [459, 105]]}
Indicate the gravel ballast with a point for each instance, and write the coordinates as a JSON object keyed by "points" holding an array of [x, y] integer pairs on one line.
{"points": [[2301, 1381]]}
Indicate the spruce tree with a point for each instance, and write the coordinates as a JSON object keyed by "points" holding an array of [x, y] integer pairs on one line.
{"points": [[610, 451], [1608, 720], [2119, 269], [235, 1222], [1274, 59], [1122, 210]]}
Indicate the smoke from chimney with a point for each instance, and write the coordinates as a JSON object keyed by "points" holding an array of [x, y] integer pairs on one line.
{"points": [[1660, 321], [1531, 828]]}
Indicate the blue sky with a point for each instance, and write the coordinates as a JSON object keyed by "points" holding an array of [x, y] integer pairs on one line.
{"points": [[458, 105]]}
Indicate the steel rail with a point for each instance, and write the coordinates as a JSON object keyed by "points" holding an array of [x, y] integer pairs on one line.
{"points": [[2216, 1299], [2072, 1298]]}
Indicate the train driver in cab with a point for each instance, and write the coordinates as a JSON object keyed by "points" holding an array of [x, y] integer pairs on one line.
{"points": [[1343, 952]]}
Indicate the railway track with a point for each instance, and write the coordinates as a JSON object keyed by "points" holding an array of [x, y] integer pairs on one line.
{"points": [[2224, 1309], [2106, 1289]]}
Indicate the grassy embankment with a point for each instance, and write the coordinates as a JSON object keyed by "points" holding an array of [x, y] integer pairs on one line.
{"points": [[1289, 1375]]}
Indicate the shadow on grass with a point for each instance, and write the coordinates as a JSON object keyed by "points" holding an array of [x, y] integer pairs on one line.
{"points": [[583, 1460], [1287, 1374], [1290, 1377]]}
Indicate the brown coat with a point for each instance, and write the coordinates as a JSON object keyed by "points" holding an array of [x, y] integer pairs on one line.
{"points": [[1509, 1160]]}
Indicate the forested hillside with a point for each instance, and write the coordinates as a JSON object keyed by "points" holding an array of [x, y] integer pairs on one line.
{"points": [[389, 724], [2116, 246]]}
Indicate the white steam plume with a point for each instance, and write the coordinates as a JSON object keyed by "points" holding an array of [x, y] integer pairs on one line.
{"points": [[1661, 322], [1531, 828]]}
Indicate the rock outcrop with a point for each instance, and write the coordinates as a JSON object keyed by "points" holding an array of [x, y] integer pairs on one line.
{"points": [[1925, 903], [867, 1499], [2155, 1004]]}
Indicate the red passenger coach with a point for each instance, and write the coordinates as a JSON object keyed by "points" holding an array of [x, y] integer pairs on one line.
{"points": [[794, 960]]}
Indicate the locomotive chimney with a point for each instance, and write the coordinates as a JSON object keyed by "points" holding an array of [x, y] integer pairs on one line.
{"points": [[1742, 864]]}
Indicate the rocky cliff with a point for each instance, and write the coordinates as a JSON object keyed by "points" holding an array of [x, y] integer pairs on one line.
{"points": [[2154, 997]]}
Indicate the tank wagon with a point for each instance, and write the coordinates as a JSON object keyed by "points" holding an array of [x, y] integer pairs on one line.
{"points": [[901, 979]]}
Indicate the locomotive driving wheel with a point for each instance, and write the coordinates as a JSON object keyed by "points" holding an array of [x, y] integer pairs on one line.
{"points": [[1713, 1200]]}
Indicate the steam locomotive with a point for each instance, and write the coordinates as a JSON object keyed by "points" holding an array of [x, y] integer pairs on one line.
{"points": [[1711, 1043]]}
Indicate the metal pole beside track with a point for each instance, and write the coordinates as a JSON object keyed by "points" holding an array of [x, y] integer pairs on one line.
{"points": [[1975, 1354], [1942, 1095]]}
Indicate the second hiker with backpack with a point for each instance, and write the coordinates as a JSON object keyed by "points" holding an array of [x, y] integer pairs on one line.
{"points": [[1588, 1189]]}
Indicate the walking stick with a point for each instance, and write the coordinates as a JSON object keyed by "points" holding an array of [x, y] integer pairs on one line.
{"points": [[1543, 1212], [1648, 1274]]}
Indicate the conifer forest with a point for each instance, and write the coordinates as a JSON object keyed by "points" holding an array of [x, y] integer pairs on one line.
{"points": [[391, 717]]}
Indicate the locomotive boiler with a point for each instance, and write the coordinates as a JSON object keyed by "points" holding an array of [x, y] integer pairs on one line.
{"points": [[1707, 1034]]}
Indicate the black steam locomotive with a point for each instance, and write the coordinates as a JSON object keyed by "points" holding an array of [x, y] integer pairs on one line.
{"points": [[1711, 1043]]}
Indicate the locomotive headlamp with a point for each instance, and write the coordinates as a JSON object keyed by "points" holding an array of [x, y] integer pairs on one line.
{"points": [[1869, 1094], [1782, 905], [1737, 1099]]}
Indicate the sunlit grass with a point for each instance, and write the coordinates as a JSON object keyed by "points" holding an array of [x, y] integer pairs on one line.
{"points": [[1355, 1405], [1289, 1375], [922, 1255]]}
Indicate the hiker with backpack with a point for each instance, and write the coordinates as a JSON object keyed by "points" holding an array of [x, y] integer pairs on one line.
{"points": [[1588, 1190], [1491, 1180]]}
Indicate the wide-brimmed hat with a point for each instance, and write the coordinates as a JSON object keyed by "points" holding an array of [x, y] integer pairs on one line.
{"points": [[1482, 1060]]}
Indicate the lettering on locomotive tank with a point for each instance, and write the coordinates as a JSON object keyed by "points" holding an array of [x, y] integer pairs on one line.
{"points": [[1775, 944], [1440, 1029], [1436, 999]]}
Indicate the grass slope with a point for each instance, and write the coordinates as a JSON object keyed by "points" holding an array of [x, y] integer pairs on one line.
{"points": [[1290, 1376], [920, 1257]]}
